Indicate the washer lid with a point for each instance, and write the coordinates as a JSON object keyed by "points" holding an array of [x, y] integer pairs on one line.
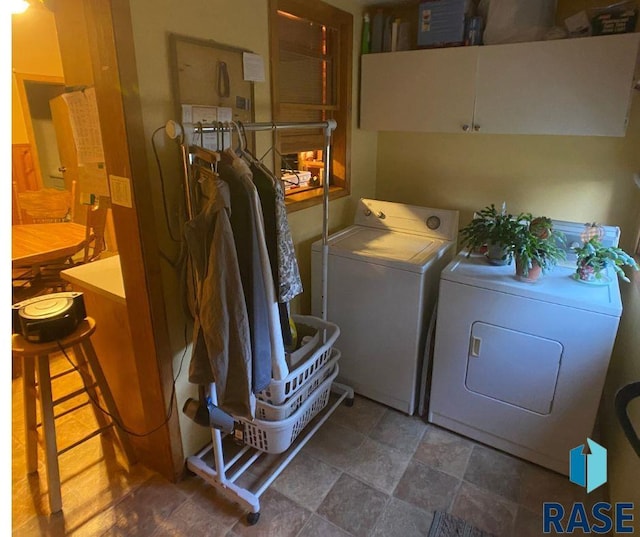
{"points": [[384, 247], [45, 308]]}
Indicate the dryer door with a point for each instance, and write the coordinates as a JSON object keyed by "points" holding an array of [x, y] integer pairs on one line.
{"points": [[513, 367]]}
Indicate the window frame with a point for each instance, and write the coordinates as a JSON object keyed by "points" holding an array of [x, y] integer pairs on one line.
{"points": [[328, 15]]}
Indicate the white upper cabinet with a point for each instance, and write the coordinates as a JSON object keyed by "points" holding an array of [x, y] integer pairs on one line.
{"points": [[431, 91], [571, 86]]}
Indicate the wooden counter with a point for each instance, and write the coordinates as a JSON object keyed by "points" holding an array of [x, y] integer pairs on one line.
{"points": [[101, 283]]}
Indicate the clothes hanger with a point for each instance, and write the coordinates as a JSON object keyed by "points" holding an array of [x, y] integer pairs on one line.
{"points": [[283, 160], [207, 156]]}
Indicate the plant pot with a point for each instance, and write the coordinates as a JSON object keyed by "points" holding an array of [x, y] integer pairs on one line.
{"points": [[497, 254], [588, 273], [532, 275]]}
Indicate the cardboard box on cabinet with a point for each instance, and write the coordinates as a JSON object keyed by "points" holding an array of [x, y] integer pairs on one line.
{"points": [[441, 22]]}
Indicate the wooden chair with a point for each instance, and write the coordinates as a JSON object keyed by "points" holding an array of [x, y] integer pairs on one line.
{"points": [[48, 278], [95, 235], [45, 205]]}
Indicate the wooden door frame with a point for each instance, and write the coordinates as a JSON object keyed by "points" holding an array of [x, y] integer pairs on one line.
{"points": [[20, 79], [112, 53]]}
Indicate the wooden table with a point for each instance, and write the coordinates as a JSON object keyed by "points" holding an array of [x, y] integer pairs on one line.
{"points": [[39, 244]]}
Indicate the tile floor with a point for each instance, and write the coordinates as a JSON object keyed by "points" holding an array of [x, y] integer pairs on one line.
{"points": [[369, 471]]}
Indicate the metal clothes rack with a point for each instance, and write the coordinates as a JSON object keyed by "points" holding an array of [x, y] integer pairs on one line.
{"points": [[224, 475]]}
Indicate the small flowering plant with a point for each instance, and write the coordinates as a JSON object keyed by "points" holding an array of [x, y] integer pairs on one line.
{"points": [[593, 258]]}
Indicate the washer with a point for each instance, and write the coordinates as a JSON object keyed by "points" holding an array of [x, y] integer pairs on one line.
{"points": [[383, 276], [521, 366]]}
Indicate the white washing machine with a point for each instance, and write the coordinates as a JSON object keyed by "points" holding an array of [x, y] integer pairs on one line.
{"points": [[521, 366], [383, 276]]}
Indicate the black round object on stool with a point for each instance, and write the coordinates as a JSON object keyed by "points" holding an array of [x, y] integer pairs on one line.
{"points": [[48, 317]]}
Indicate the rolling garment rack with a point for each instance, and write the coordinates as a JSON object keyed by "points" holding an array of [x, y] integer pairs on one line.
{"points": [[285, 409]]}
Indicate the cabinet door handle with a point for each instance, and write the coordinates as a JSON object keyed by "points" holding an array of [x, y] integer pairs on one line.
{"points": [[465, 127], [476, 128], [476, 342]]}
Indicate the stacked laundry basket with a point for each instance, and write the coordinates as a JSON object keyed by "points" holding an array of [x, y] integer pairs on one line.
{"points": [[288, 405], [284, 418]]}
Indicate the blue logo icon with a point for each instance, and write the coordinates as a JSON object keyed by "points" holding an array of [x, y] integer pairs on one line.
{"points": [[588, 468]]}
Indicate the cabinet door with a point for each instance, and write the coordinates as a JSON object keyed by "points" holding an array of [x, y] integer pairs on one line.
{"points": [[73, 40], [570, 86], [430, 91]]}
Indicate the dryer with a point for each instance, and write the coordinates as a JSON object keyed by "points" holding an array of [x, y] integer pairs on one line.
{"points": [[521, 366], [383, 274]]}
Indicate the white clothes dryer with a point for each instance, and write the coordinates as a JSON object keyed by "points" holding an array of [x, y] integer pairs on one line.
{"points": [[521, 366], [383, 274]]}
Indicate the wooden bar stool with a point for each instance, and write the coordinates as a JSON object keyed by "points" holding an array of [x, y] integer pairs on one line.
{"points": [[92, 377]]}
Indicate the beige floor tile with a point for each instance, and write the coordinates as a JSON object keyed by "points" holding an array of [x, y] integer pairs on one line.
{"points": [[399, 431], [426, 488], [444, 451], [306, 481], [353, 506], [379, 465], [400, 519], [363, 416], [485, 510]]}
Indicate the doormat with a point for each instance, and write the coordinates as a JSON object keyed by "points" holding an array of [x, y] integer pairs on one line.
{"points": [[446, 525]]}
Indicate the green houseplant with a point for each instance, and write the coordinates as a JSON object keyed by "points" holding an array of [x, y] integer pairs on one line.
{"points": [[492, 229], [593, 258], [537, 247]]}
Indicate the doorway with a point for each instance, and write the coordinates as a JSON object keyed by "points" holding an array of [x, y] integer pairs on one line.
{"points": [[38, 95], [35, 157]]}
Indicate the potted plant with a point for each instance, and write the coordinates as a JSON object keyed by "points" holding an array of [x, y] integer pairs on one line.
{"points": [[537, 247], [593, 258], [493, 231]]}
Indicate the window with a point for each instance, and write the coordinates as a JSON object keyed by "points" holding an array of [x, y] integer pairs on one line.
{"points": [[311, 54]]}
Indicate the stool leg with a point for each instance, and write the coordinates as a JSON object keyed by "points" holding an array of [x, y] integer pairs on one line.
{"points": [[89, 381], [92, 358], [30, 420], [49, 429]]}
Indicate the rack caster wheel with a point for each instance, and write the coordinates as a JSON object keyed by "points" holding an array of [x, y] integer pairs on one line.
{"points": [[349, 401], [252, 518]]}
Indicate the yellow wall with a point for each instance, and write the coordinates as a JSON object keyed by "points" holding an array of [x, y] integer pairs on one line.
{"points": [[34, 51], [239, 23], [624, 464], [565, 177]]}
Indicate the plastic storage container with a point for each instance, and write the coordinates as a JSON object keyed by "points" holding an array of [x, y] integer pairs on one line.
{"points": [[269, 412], [277, 436], [312, 356]]}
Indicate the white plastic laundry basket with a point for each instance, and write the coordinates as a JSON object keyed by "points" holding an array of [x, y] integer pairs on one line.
{"points": [[319, 353]]}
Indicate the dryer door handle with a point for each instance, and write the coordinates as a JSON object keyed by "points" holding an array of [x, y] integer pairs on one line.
{"points": [[476, 342]]}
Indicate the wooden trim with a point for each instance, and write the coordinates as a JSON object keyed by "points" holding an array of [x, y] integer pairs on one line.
{"points": [[115, 77], [320, 11], [341, 140], [297, 106], [21, 78], [309, 198]]}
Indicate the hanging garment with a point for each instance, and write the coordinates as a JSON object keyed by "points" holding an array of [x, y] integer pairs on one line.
{"points": [[288, 275], [248, 229], [253, 283], [267, 194], [221, 352], [288, 272]]}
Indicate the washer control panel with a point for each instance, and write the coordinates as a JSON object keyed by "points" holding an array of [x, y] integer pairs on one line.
{"points": [[436, 223]]}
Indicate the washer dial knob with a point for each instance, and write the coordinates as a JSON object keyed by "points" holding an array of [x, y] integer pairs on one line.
{"points": [[433, 222]]}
